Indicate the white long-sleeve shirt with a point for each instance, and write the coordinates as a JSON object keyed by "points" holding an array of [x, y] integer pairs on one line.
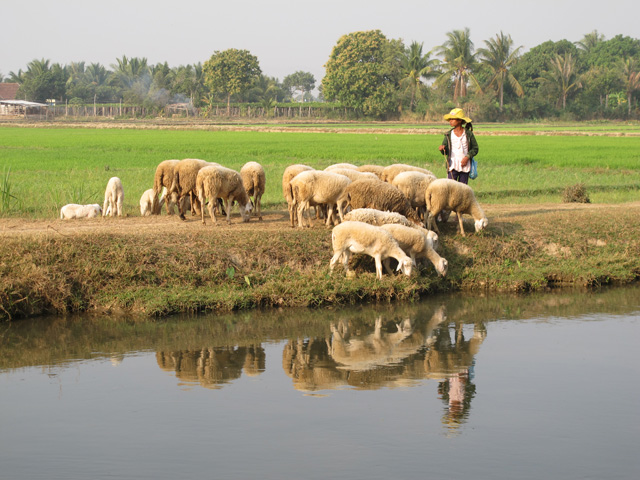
{"points": [[459, 149]]}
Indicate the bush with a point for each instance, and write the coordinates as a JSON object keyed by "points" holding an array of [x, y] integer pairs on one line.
{"points": [[575, 194]]}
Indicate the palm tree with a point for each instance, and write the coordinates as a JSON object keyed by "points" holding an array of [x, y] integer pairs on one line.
{"points": [[563, 76], [417, 66], [631, 76], [459, 61], [499, 57], [589, 41]]}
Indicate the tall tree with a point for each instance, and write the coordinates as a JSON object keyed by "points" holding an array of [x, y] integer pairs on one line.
{"points": [[299, 81], [231, 72], [562, 75], [589, 41], [499, 57], [43, 81], [416, 66], [631, 76], [459, 62], [363, 72]]}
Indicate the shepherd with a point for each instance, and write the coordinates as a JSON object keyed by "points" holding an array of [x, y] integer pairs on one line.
{"points": [[459, 145]]}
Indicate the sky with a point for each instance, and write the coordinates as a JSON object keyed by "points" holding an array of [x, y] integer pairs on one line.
{"points": [[285, 35]]}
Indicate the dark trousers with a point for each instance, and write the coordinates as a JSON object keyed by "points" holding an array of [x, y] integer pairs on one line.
{"points": [[462, 177]]}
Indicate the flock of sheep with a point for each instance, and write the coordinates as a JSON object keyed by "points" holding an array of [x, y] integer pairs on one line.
{"points": [[384, 212]]}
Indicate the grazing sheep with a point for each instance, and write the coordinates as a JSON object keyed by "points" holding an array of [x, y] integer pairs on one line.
{"points": [[416, 244], [354, 175], [290, 172], [359, 237], [381, 196], [254, 181], [184, 182], [113, 198], [446, 194], [73, 210], [147, 204], [318, 187], [413, 185], [375, 169], [215, 181], [390, 172], [340, 166], [164, 178]]}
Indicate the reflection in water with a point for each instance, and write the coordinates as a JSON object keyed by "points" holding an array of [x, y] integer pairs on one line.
{"points": [[213, 366]]}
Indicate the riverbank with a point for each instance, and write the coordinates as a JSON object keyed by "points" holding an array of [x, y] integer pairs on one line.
{"points": [[156, 266]]}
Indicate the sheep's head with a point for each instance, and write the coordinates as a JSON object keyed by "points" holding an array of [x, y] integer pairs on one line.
{"points": [[442, 266], [406, 265], [480, 224], [246, 212]]}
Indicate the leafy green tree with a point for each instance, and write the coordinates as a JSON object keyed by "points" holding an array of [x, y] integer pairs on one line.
{"points": [[499, 57], [417, 66], [299, 81], [230, 72], [609, 53], [43, 81], [563, 77], [589, 41], [363, 72], [131, 77], [459, 62], [188, 80], [631, 76]]}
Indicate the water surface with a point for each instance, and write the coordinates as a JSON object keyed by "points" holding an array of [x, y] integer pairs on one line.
{"points": [[537, 386]]}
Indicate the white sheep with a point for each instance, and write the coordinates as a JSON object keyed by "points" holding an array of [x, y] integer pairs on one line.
{"points": [[215, 182], [340, 166], [367, 193], [73, 210], [289, 173], [375, 169], [164, 178], [254, 181], [417, 244], [113, 198], [359, 237], [147, 204], [352, 174], [413, 185], [318, 187], [390, 172], [446, 194], [185, 173]]}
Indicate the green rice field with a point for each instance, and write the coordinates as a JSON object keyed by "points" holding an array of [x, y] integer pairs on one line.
{"points": [[42, 169]]}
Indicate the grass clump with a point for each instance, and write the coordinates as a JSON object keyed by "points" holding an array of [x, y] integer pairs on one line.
{"points": [[575, 194]]}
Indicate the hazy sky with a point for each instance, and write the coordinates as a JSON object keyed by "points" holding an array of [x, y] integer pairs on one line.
{"points": [[285, 35]]}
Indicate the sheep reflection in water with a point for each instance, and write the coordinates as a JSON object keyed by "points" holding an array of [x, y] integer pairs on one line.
{"points": [[213, 367]]}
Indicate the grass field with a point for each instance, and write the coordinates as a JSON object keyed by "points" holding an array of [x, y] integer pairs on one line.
{"points": [[42, 169]]}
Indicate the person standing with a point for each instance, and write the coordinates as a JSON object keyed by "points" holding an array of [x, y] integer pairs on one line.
{"points": [[459, 145]]}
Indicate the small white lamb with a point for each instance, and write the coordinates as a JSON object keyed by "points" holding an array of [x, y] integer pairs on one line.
{"points": [[316, 187], [73, 210], [358, 237], [254, 181], [417, 245], [147, 205], [113, 198], [445, 194]]}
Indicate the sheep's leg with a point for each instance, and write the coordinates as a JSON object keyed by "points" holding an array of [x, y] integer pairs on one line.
{"points": [[201, 196], [337, 256], [460, 222], [258, 204], [228, 205], [329, 220], [378, 261], [431, 222], [301, 208], [105, 205], [212, 211], [387, 265]]}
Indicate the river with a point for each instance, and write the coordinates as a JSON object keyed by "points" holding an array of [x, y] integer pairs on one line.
{"points": [[484, 386]]}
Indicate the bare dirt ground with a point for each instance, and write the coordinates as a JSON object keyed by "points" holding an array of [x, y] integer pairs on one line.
{"points": [[273, 221]]}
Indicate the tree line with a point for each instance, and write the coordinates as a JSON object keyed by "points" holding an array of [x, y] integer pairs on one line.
{"points": [[376, 77]]}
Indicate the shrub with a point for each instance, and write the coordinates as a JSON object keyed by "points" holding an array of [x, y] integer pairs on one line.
{"points": [[575, 194]]}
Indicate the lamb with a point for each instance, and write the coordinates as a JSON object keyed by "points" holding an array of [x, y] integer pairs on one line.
{"points": [[446, 194], [318, 187], [359, 237], [413, 185], [113, 198], [216, 181], [390, 172], [289, 173], [73, 210], [417, 244], [184, 182], [164, 178], [375, 169], [381, 196], [254, 181], [149, 204]]}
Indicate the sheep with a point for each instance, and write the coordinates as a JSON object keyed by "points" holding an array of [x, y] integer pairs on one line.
{"points": [[447, 194], [164, 178], [216, 181], [381, 196], [113, 198], [353, 174], [318, 187], [73, 210], [359, 237], [417, 244], [375, 169], [413, 185], [390, 172], [290, 172], [254, 181], [340, 166], [185, 173], [147, 204]]}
